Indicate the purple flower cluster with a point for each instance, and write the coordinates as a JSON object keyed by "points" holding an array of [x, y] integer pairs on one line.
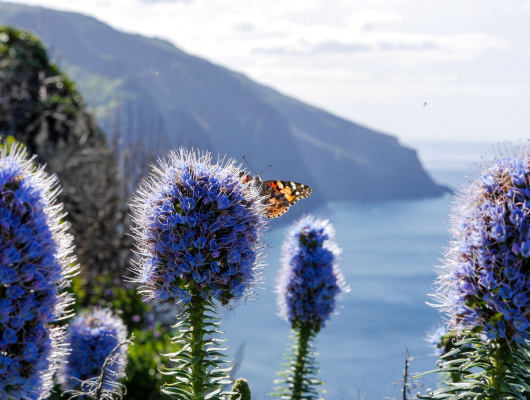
{"points": [[484, 283], [92, 335], [310, 279], [35, 265], [434, 338], [199, 230]]}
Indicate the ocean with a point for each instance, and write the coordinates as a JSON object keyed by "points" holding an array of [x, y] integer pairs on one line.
{"points": [[390, 250]]}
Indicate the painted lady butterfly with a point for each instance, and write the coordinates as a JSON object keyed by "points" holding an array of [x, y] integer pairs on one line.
{"points": [[280, 195]]}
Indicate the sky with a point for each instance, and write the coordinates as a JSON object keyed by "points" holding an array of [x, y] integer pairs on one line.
{"points": [[420, 70]]}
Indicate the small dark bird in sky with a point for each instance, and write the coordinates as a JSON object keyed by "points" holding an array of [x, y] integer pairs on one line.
{"points": [[424, 104]]}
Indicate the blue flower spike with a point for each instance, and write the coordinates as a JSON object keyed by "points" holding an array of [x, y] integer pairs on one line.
{"points": [[93, 335], [434, 338], [35, 267], [310, 280], [309, 285], [484, 282], [199, 231], [485, 279]]}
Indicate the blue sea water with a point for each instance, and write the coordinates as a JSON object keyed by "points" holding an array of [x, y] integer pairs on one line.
{"points": [[390, 250]]}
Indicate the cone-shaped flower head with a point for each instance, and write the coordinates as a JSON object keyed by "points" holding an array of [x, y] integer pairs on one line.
{"points": [[35, 265], [310, 279], [199, 230], [434, 338], [484, 284], [92, 335]]}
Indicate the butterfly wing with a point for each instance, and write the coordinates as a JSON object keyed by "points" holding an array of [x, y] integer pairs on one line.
{"points": [[280, 195]]}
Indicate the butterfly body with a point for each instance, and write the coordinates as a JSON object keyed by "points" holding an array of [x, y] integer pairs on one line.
{"points": [[279, 195]]}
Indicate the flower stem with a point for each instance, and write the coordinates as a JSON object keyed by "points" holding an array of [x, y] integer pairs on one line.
{"points": [[199, 364], [303, 336], [497, 380], [196, 307]]}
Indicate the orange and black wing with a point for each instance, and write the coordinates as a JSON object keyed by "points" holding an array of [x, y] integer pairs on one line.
{"points": [[280, 195]]}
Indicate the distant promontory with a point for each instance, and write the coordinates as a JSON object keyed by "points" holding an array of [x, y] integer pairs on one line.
{"points": [[193, 102]]}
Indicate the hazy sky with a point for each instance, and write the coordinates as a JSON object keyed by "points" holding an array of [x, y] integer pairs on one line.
{"points": [[375, 62]]}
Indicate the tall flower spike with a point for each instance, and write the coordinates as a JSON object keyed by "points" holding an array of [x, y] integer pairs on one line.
{"points": [[484, 283], [199, 238], [35, 267], [92, 335], [198, 229], [308, 286], [435, 338], [310, 280], [107, 385]]}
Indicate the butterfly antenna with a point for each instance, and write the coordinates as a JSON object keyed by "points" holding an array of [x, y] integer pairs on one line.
{"points": [[266, 169], [244, 158]]}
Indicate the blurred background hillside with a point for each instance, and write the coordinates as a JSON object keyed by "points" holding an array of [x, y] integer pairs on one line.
{"points": [[159, 94]]}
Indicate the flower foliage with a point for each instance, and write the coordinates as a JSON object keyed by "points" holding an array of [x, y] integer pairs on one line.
{"points": [[484, 283], [240, 390], [310, 279], [298, 377], [93, 336], [199, 230], [35, 266]]}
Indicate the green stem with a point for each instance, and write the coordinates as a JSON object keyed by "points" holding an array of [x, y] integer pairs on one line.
{"points": [[303, 335], [497, 379], [199, 367], [196, 309]]}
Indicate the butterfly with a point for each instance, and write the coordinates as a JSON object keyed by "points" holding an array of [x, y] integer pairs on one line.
{"points": [[279, 195]]}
